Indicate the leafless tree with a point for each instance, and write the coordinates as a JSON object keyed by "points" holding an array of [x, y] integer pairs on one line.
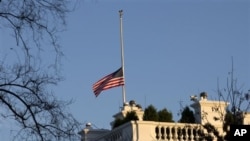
{"points": [[25, 86], [239, 102], [33, 20]]}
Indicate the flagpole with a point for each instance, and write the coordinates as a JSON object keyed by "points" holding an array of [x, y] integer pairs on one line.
{"points": [[122, 57]]}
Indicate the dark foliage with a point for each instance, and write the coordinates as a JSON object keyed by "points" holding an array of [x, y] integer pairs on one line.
{"points": [[130, 116], [150, 114], [165, 116], [187, 116]]}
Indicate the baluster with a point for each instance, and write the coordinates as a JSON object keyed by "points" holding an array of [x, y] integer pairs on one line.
{"points": [[162, 133], [194, 134], [169, 133], [174, 133], [197, 134], [191, 136], [181, 134], [157, 135], [186, 134]]}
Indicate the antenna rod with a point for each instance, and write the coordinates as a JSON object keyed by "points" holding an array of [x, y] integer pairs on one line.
{"points": [[122, 57]]}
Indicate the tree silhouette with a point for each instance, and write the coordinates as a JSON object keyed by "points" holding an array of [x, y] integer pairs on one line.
{"points": [[25, 85], [129, 116], [187, 116], [165, 116], [150, 114], [238, 99]]}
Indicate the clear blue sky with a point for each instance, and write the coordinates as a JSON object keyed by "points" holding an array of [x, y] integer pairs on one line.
{"points": [[173, 49]]}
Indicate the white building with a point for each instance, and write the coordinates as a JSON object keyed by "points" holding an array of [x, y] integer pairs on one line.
{"points": [[209, 111], [206, 111]]}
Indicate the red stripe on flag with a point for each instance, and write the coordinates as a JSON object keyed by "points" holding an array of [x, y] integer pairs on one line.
{"points": [[114, 79]]}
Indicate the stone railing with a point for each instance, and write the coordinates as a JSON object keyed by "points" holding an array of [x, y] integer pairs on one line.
{"points": [[181, 132], [156, 131], [121, 133]]}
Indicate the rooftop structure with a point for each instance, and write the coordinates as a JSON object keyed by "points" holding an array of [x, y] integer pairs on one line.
{"points": [[209, 111], [205, 111]]}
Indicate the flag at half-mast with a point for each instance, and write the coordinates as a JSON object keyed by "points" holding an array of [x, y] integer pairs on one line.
{"points": [[114, 79]]}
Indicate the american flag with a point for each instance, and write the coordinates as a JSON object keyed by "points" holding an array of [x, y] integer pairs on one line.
{"points": [[114, 79]]}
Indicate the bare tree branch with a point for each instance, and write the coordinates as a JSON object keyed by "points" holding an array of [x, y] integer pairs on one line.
{"points": [[25, 86], [37, 112]]}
